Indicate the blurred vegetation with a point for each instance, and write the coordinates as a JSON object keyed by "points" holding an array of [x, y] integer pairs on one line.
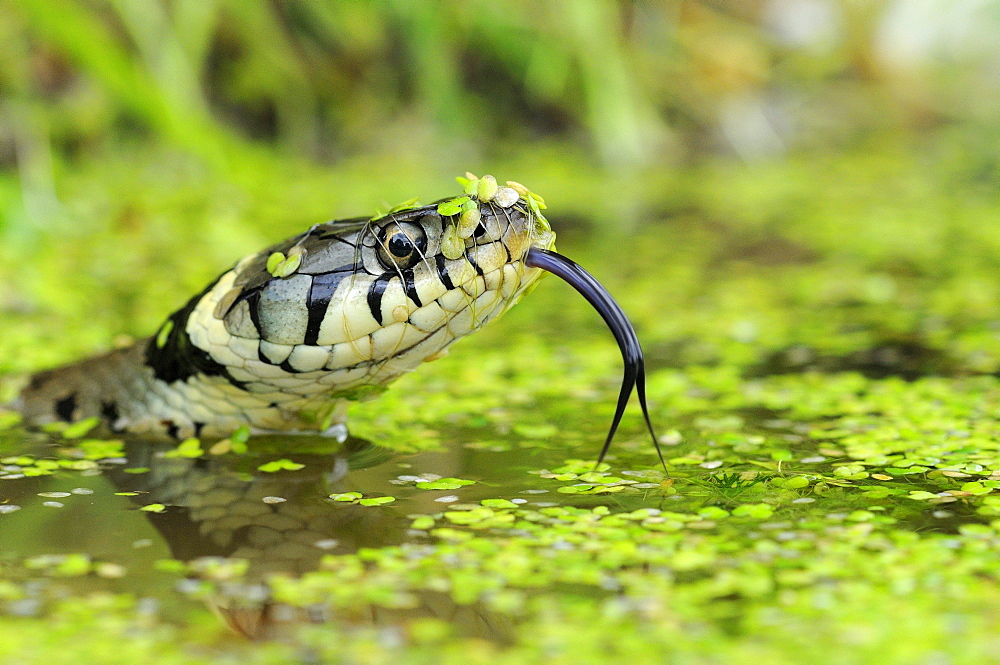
{"points": [[636, 83]]}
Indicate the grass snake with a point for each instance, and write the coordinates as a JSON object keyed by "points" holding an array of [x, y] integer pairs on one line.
{"points": [[287, 337]]}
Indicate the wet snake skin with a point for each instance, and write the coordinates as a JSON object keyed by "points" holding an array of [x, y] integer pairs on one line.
{"points": [[283, 349]]}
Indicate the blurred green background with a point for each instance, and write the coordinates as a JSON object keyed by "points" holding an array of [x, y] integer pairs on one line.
{"points": [[775, 184]]}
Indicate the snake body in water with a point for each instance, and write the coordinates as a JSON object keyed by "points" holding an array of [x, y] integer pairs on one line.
{"points": [[288, 336]]}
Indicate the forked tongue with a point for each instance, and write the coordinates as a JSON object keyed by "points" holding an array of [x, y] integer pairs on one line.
{"points": [[635, 372]]}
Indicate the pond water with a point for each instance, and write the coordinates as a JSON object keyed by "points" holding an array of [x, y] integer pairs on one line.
{"points": [[112, 515], [304, 531]]}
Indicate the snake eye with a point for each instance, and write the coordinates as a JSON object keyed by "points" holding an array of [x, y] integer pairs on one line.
{"points": [[401, 245]]}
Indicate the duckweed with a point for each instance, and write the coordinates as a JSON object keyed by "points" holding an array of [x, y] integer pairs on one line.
{"points": [[452, 206], [282, 464], [80, 428], [444, 484], [830, 410], [376, 501], [190, 448], [280, 265]]}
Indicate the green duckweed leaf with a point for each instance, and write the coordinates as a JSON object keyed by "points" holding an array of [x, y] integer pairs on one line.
{"points": [[274, 261], [282, 464], [95, 449], [346, 496], [451, 206], [452, 245], [486, 188], [80, 428], [238, 440], [470, 183], [757, 511], [377, 501], [498, 503], [423, 522], [713, 513], [189, 448], [73, 565], [444, 484]]}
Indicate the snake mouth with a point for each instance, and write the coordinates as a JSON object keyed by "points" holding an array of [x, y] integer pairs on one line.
{"points": [[634, 377]]}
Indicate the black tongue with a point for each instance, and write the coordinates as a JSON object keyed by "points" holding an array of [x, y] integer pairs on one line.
{"points": [[635, 372]]}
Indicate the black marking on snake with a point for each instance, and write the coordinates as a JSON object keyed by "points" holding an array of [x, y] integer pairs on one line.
{"points": [[480, 229], [375, 293], [287, 366], [109, 410], [179, 359], [251, 296], [172, 429], [346, 268], [261, 357], [245, 295], [65, 407], [442, 269], [197, 429], [410, 285], [470, 259], [253, 303], [322, 289]]}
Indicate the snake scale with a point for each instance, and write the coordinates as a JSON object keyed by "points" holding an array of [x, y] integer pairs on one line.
{"points": [[288, 336]]}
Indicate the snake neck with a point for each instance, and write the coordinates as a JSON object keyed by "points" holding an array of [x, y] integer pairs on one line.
{"points": [[170, 387], [129, 395]]}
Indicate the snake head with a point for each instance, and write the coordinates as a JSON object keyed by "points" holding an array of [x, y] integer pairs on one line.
{"points": [[355, 303], [338, 312], [346, 307]]}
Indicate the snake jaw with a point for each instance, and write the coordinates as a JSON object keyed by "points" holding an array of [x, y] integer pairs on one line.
{"points": [[634, 377]]}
